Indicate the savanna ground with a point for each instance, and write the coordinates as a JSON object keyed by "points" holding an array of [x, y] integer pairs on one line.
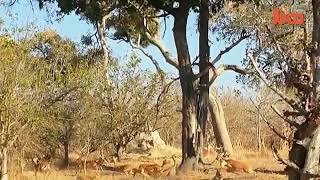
{"points": [[265, 166]]}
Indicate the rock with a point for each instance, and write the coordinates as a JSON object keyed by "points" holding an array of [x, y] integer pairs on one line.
{"points": [[157, 141], [146, 141]]}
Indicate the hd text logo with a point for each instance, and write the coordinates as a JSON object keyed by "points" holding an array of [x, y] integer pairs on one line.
{"points": [[280, 17]]}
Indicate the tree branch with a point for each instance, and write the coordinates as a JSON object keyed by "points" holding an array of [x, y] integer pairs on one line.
{"points": [[165, 14], [60, 97], [288, 163], [166, 54], [153, 60], [227, 49], [292, 123], [165, 90], [270, 125], [225, 67], [293, 103]]}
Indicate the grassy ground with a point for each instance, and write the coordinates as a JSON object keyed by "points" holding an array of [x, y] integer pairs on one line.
{"points": [[266, 168]]}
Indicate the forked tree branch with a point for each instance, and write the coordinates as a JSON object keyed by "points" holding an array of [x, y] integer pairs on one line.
{"points": [[225, 67]]}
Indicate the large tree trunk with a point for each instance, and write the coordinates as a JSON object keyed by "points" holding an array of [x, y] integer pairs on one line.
{"points": [[4, 164], [219, 124], [307, 156], [189, 111]]}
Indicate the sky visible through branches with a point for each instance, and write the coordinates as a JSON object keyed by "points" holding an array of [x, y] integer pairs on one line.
{"points": [[23, 13]]}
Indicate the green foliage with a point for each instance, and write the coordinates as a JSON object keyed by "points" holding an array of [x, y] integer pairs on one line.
{"points": [[19, 101], [91, 10]]}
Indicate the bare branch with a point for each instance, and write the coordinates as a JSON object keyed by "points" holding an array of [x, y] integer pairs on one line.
{"points": [[12, 2], [270, 125], [226, 67], [153, 60], [227, 49], [166, 54], [283, 161], [292, 123], [293, 103], [235, 68], [164, 91]]}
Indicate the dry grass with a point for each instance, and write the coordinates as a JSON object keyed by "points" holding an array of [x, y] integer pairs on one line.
{"points": [[267, 168]]}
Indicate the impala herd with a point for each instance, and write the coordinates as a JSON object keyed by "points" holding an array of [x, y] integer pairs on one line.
{"points": [[149, 168]]}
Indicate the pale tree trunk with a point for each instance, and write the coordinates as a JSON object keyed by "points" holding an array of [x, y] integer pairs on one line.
{"points": [[312, 159], [219, 124], [4, 164], [101, 29]]}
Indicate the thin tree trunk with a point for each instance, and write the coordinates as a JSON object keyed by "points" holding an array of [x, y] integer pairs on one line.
{"points": [[66, 152], [68, 125], [4, 164], [259, 139], [219, 124]]}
